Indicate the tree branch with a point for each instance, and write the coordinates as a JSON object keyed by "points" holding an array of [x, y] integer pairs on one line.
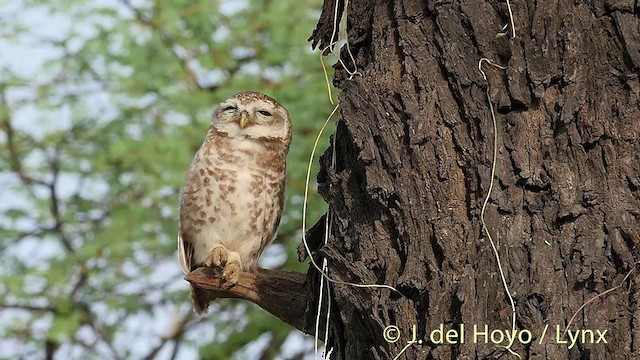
{"points": [[15, 159], [281, 293]]}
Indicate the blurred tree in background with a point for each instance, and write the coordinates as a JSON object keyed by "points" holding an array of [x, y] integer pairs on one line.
{"points": [[102, 106]]}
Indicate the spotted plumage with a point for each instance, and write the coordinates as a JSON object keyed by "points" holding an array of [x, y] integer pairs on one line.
{"points": [[233, 195]]}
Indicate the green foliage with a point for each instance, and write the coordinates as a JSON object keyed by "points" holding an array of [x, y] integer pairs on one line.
{"points": [[95, 144]]}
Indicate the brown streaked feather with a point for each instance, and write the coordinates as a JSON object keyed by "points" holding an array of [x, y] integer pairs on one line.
{"points": [[268, 239], [185, 254], [201, 298]]}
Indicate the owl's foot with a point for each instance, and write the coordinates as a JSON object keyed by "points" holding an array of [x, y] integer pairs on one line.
{"points": [[231, 272], [218, 257]]}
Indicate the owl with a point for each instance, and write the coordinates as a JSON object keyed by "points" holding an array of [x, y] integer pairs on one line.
{"points": [[232, 199]]}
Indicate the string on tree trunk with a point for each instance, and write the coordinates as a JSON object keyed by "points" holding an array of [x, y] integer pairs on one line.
{"points": [[486, 200], [599, 296]]}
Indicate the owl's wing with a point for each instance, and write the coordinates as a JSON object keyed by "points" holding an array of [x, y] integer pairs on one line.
{"points": [[270, 236], [185, 254], [185, 248]]}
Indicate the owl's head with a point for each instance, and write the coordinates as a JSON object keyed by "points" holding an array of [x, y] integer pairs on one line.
{"points": [[253, 115]]}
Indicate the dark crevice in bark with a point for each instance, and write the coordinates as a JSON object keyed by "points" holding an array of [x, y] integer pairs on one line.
{"points": [[437, 249]]}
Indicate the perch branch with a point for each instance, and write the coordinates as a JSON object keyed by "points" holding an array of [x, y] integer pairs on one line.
{"points": [[281, 293]]}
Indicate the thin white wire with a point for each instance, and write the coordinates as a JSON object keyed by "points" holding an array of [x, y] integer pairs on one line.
{"points": [[326, 328], [327, 232], [486, 199], [513, 25], [317, 328]]}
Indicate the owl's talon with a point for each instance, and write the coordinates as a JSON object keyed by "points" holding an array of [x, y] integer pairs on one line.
{"points": [[231, 274], [218, 257]]}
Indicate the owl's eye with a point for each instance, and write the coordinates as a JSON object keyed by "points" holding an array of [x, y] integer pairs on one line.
{"points": [[229, 108], [264, 112]]}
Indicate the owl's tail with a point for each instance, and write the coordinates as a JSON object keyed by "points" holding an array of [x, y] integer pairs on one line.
{"points": [[201, 300]]}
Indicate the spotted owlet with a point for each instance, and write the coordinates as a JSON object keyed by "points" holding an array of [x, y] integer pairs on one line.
{"points": [[233, 195]]}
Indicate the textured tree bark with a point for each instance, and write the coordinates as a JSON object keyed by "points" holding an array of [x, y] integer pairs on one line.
{"points": [[414, 151]]}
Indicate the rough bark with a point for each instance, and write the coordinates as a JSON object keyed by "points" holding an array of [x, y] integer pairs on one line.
{"points": [[413, 161]]}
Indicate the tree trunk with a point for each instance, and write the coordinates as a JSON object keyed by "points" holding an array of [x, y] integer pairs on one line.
{"points": [[413, 164]]}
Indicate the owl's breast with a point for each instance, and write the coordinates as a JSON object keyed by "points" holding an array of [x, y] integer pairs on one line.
{"points": [[232, 197]]}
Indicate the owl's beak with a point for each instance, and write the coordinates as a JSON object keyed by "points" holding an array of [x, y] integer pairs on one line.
{"points": [[243, 121]]}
